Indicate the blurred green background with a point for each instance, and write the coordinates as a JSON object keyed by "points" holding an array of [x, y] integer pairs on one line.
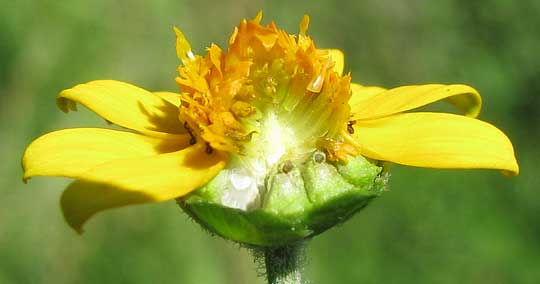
{"points": [[434, 226]]}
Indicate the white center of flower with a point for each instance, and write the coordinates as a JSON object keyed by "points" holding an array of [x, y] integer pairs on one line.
{"points": [[275, 140], [261, 156]]}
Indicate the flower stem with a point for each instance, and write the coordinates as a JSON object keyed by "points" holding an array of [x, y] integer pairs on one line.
{"points": [[284, 264]]}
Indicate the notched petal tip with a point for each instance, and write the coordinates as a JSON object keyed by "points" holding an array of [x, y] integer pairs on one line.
{"points": [[465, 98], [510, 173], [26, 161], [26, 176], [64, 104], [513, 167]]}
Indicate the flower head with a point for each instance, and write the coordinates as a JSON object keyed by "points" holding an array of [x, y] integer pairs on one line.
{"points": [[267, 142], [268, 81]]}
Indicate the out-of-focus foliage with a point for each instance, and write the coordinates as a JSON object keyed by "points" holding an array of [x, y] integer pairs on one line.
{"points": [[432, 227]]}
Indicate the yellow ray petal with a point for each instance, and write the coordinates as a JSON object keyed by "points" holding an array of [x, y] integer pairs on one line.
{"points": [[362, 93], [436, 140], [339, 60], [125, 105], [132, 181], [173, 98], [406, 98], [71, 152]]}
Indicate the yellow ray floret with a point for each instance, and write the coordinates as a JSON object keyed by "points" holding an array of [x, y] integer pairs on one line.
{"points": [[125, 105], [141, 180], [406, 98], [72, 152], [436, 140]]}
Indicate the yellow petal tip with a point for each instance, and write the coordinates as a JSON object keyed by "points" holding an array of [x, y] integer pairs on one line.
{"points": [[304, 24], [258, 17], [64, 104], [183, 48], [512, 171]]}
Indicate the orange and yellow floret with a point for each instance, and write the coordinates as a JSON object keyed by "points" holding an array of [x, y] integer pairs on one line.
{"points": [[270, 94], [264, 70]]}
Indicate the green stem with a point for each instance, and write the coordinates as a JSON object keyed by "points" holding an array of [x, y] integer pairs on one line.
{"points": [[284, 264]]}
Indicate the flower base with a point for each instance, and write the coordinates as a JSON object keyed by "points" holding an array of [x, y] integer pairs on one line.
{"points": [[330, 194]]}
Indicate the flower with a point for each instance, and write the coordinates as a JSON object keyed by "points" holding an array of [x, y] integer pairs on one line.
{"points": [[271, 115]]}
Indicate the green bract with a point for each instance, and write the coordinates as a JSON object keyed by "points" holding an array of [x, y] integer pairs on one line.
{"points": [[297, 201]]}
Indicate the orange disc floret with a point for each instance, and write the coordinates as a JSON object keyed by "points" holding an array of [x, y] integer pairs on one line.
{"points": [[265, 69]]}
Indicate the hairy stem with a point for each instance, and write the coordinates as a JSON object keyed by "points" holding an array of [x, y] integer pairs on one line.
{"points": [[284, 264]]}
